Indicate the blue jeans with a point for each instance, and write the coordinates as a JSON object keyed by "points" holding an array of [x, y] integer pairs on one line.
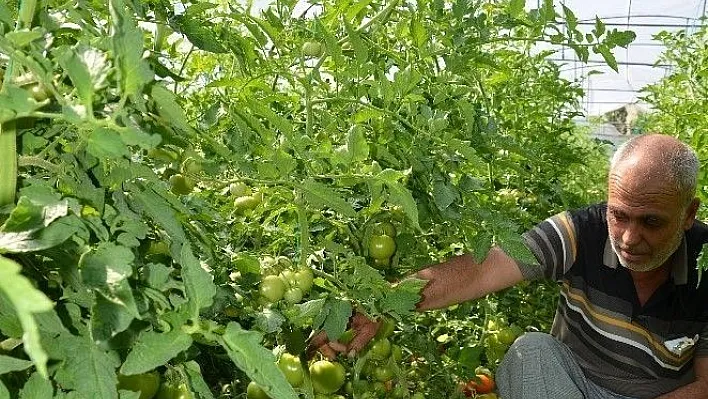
{"points": [[539, 366]]}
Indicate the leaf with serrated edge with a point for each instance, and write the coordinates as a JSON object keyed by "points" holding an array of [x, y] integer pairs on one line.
{"points": [[37, 387], [198, 283], [87, 368], [154, 349], [318, 194], [26, 300], [245, 350]]}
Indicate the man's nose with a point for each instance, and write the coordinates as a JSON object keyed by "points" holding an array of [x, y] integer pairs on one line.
{"points": [[631, 235]]}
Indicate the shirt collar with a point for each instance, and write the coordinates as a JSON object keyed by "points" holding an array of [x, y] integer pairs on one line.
{"points": [[679, 267]]}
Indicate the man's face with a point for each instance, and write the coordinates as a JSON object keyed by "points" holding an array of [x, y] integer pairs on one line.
{"points": [[646, 217]]}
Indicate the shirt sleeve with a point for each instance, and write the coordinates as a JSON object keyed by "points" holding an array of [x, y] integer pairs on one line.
{"points": [[553, 243]]}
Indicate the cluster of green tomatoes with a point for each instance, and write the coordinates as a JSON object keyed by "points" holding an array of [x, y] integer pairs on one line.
{"points": [[327, 377], [151, 385], [284, 281], [245, 198]]}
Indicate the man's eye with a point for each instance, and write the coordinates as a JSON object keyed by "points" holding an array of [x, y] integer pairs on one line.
{"points": [[652, 221], [619, 217]]}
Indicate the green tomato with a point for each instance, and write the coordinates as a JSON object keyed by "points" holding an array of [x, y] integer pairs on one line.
{"points": [[272, 288], [399, 392], [304, 277], [381, 349], [254, 391], [239, 189], [288, 277], [181, 185], [246, 203], [383, 373], [388, 325], [292, 369], [191, 166], [147, 384], [506, 336], [163, 154], [385, 229], [327, 377], [417, 395], [312, 49], [293, 295], [382, 264], [396, 353], [39, 92], [381, 247], [158, 248], [174, 391]]}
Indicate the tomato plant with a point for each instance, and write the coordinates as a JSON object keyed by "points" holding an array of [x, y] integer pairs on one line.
{"points": [[179, 158]]}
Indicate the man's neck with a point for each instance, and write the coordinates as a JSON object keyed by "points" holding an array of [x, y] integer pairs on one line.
{"points": [[647, 282]]}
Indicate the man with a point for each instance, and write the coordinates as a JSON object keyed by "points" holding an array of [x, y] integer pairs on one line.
{"points": [[632, 321]]}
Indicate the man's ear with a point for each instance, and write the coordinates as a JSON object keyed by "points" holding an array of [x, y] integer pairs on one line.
{"points": [[691, 213]]}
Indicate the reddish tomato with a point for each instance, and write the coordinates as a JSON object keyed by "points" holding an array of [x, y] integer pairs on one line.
{"points": [[482, 383]]}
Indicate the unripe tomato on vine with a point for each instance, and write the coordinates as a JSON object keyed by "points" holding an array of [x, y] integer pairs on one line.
{"points": [[254, 391], [292, 369], [272, 288], [382, 247], [327, 377], [312, 49], [147, 384]]}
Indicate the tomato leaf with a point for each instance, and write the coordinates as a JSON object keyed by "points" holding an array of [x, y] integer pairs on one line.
{"points": [[196, 381], [9, 364], [319, 195], [36, 387], [87, 368], [127, 40], [88, 69], [403, 297], [399, 194], [198, 283], [16, 102], [34, 226], [245, 350], [154, 349], [169, 109], [106, 143]]}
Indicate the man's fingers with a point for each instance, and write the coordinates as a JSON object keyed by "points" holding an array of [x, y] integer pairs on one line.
{"points": [[363, 335], [327, 351], [338, 346]]}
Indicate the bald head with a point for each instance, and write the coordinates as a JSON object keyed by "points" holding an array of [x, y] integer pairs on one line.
{"points": [[660, 158]]}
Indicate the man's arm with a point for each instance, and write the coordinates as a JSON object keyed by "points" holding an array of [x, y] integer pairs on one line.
{"points": [[461, 279], [698, 389]]}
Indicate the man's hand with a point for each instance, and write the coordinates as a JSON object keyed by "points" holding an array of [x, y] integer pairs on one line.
{"points": [[364, 331]]}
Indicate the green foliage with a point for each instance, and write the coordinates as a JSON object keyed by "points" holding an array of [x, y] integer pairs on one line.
{"points": [[678, 99], [437, 118]]}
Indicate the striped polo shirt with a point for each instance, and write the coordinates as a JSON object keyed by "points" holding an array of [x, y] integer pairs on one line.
{"points": [[630, 349]]}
